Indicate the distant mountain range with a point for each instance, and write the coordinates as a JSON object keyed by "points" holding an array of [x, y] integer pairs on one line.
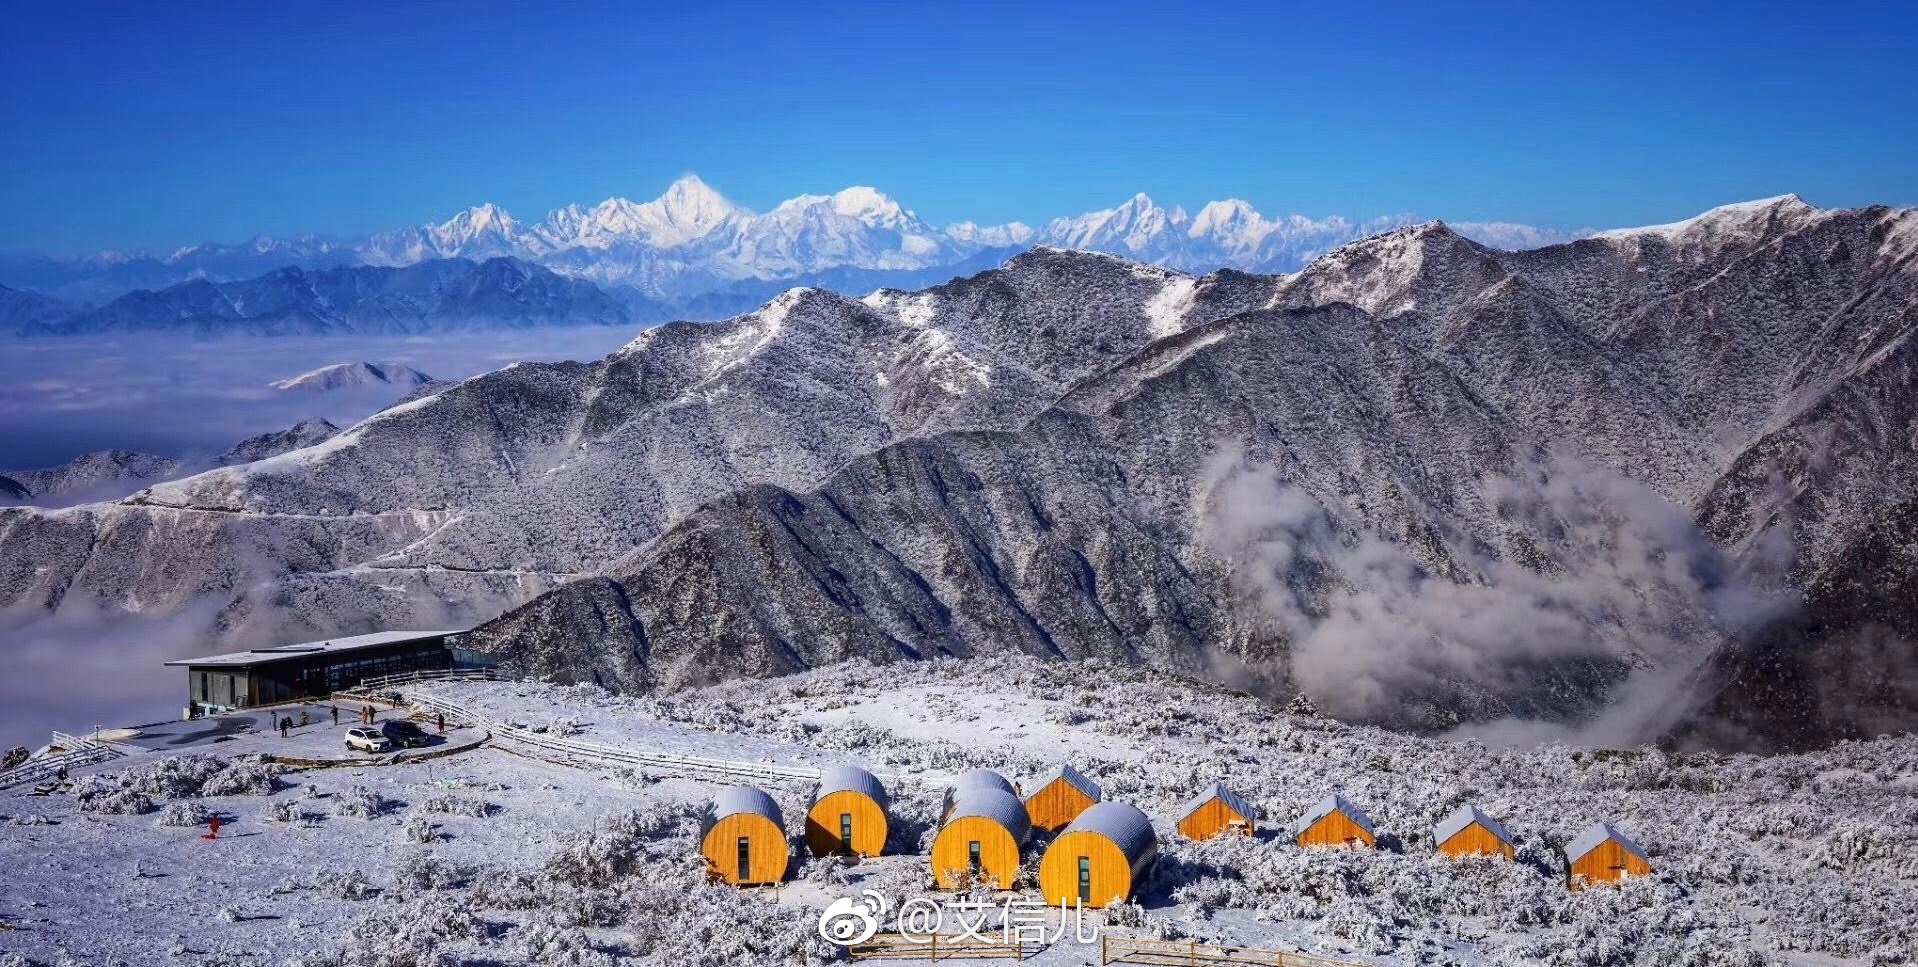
{"points": [[424, 297], [692, 253]]}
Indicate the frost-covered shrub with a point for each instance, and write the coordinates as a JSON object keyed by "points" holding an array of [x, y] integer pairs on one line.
{"points": [[344, 884], [30, 819], [286, 811], [417, 933], [418, 871], [827, 871], [183, 814], [360, 802], [243, 779], [1853, 845], [550, 944], [103, 794], [418, 829], [173, 777], [611, 850], [452, 805]]}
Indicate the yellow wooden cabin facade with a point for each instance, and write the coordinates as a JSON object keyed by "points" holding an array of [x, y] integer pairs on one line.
{"points": [[979, 841], [848, 814], [1470, 832], [1334, 822], [1059, 796], [1602, 854], [1100, 859], [1215, 812], [743, 838]]}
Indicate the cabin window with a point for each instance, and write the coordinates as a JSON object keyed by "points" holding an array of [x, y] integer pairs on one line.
{"points": [[1085, 880], [745, 857], [205, 696], [972, 856], [845, 831]]}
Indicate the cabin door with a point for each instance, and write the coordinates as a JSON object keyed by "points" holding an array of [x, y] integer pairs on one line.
{"points": [[972, 857], [1085, 880], [845, 832], [745, 857]]}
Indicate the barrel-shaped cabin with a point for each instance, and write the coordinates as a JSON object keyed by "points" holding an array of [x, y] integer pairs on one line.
{"points": [[743, 837], [1468, 831], [1602, 854], [848, 814], [1334, 821], [1101, 858], [975, 780], [1059, 796], [979, 840], [1215, 812]]}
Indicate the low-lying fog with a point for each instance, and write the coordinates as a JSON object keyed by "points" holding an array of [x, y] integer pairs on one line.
{"points": [[186, 399]]}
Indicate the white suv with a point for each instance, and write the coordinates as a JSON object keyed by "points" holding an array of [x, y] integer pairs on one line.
{"points": [[366, 739]]}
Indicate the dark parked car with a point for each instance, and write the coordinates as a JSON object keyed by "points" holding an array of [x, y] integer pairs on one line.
{"points": [[405, 734]]}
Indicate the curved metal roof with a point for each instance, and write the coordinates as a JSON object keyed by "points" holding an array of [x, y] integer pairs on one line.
{"points": [[851, 779], [1232, 800], [1073, 778], [1326, 807], [1125, 826], [997, 805], [1465, 816], [733, 800], [1599, 833], [972, 779]]}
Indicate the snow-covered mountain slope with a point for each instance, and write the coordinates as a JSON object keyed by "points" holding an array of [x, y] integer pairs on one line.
{"points": [[354, 376], [100, 475], [423, 297], [497, 488], [1535, 426], [687, 253], [303, 434]]}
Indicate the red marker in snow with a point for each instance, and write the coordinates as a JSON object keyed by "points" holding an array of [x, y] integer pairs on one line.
{"points": [[212, 828]]}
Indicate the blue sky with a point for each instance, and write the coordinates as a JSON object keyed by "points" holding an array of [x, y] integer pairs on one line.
{"points": [[152, 125]]}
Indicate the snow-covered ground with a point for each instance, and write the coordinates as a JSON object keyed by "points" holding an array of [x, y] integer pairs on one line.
{"points": [[491, 856]]}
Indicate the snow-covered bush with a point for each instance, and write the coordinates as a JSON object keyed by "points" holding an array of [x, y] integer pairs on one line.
{"points": [[183, 814], [104, 794], [243, 779], [543, 941], [467, 806], [286, 811], [418, 933], [419, 871], [173, 777], [360, 802], [418, 829], [344, 884]]}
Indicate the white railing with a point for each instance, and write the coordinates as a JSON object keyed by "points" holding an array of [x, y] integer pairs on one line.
{"points": [[579, 752], [74, 752], [409, 678]]}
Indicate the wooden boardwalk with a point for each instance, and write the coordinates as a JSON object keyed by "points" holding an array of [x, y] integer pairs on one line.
{"points": [[935, 947]]}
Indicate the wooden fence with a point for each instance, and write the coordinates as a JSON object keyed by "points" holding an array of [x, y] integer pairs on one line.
{"points": [[74, 753], [935, 947], [1186, 953]]}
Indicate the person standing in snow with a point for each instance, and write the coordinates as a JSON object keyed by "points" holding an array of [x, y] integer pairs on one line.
{"points": [[442, 721], [303, 719], [335, 709], [286, 725]]}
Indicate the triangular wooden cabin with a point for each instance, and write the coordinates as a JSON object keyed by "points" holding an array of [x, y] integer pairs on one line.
{"points": [[1059, 796], [848, 814], [743, 837], [1602, 854], [1100, 859], [1468, 831], [1334, 822], [980, 838], [1215, 811]]}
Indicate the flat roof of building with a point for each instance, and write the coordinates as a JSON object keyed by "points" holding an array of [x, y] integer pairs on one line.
{"points": [[273, 653]]}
